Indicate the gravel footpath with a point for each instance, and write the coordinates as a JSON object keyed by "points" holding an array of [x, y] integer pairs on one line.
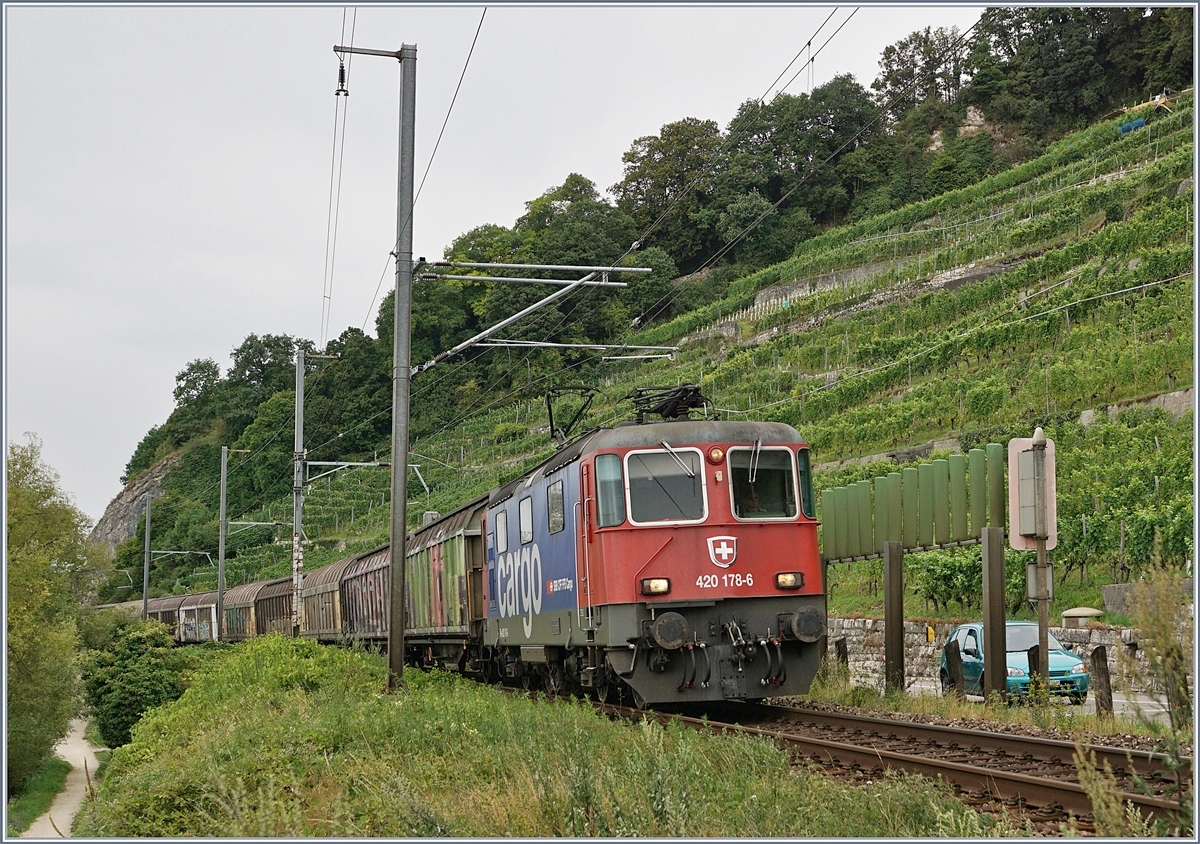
{"points": [[79, 752]]}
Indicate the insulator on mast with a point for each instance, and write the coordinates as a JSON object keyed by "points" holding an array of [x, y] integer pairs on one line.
{"points": [[341, 89]]}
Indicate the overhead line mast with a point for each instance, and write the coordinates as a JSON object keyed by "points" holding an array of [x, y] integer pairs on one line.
{"points": [[401, 349], [402, 369]]}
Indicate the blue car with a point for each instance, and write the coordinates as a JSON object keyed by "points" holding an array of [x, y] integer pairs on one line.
{"points": [[1068, 673]]}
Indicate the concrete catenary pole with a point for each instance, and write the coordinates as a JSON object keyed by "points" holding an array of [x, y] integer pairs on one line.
{"points": [[146, 565], [221, 528], [402, 361], [298, 495]]}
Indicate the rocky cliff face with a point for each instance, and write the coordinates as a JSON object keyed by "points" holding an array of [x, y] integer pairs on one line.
{"points": [[120, 519]]}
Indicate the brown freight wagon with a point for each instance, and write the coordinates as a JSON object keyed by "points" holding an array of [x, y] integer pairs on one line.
{"points": [[365, 595], [166, 610], [198, 618], [322, 597], [273, 607], [238, 606]]}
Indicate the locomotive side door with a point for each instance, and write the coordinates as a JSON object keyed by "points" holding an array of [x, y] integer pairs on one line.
{"points": [[584, 509], [474, 565], [489, 540]]}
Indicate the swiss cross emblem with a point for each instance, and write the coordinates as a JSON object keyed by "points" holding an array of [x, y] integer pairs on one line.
{"points": [[722, 550]]}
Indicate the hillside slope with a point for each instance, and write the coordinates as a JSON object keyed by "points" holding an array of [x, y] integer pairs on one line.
{"points": [[1057, 287]]}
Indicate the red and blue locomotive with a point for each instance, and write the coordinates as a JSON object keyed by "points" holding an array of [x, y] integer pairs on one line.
{"points": [[675, 561], [666, 561]]}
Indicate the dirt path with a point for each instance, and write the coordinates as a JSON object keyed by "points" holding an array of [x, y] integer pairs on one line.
{"points": [[78, 751]]}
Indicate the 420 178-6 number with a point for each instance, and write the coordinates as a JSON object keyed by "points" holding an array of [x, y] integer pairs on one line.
{"points": [[712, 581]]}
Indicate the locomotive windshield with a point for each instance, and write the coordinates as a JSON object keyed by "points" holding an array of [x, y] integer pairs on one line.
{"points": [[660, 490], [764, 485]]}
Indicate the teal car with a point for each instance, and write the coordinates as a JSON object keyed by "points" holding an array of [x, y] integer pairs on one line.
{"points": [[1069, 675]]}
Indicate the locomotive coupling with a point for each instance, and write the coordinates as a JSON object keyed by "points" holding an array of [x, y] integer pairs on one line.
{"points": [[670, 631], [808, 623]]}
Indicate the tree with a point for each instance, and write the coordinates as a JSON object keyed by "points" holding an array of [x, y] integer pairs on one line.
{"points": [[1056, 68], [786, 154], [669, 178], [196, 380], [925, 65], [752, 226], [269, 437], [133, 677], [1166, 49], [50, 569], [649, 296], [262, 366]]}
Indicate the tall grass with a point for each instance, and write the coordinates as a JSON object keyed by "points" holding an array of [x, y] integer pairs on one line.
{"points": [[37, 797], [835, 687], [280, 737]]}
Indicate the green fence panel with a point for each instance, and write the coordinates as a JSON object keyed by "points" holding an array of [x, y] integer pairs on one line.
{"points": [[958, 497], [925, 508], [977, 468], [895, 522], [828, 531], [910, 483], [843, 521], [997, 496], [882, 512], [853, 529], [941, 501], [866, 525]]}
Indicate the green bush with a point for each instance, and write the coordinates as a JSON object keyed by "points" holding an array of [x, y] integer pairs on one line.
{"points": [[99, 629], [508, 431], [955, 574], [135, 676]]}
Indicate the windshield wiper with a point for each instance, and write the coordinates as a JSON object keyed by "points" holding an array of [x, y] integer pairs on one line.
{"points": [[753, 473], [686, 469]]}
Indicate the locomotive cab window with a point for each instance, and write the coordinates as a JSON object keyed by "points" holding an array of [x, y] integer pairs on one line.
{"points": [[501, 531], [525, 514], [806, 489], [554, 506], [610, 491], [763, 483], [666, 486]]}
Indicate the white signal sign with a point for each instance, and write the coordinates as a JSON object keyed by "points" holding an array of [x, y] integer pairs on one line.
{"points": [[1023, 482]]}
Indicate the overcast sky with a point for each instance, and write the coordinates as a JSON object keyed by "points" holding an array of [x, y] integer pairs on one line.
{"points": [[167, 169]]}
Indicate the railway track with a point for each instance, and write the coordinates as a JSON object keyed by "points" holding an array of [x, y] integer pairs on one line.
{"points": [[1036, 776]]}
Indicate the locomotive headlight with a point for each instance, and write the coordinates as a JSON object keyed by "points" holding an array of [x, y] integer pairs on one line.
{"points": [[789, 579], [656, 586], [716, 454]]}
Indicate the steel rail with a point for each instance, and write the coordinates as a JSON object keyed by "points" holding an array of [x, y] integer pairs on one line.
{"points": [[1042, 792], [1141, 762]]}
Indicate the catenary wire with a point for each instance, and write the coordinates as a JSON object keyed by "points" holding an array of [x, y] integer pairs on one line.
{"points": [[332, 216], [669, 297], [580, 302], [813, 57], [732, 137], [807, 45], [449, 110]]}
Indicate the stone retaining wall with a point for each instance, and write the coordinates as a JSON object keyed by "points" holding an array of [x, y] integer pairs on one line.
{"points": [[922, 659]]}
